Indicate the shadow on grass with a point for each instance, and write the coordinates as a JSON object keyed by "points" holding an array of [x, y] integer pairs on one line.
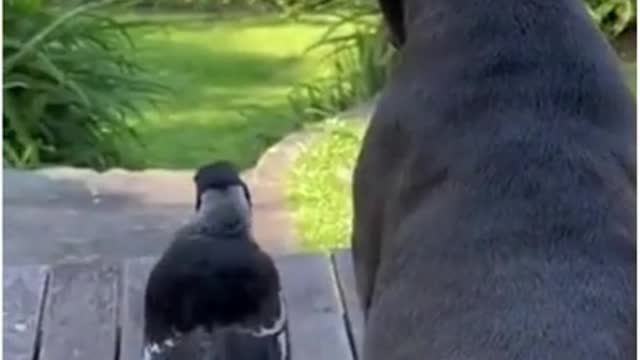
{"points": [[230, 83], [197, 69]]}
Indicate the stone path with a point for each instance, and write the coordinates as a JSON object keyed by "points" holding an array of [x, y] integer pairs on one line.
{"points": [[57, 214]]}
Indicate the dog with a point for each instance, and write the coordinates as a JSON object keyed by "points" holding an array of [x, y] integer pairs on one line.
{"points": [[494, 194]]}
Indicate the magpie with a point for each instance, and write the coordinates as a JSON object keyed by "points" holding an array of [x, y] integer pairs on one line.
{"points": [[214, 277]]}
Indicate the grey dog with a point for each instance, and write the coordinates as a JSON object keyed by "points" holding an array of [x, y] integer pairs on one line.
{"points": [[494, 195]]}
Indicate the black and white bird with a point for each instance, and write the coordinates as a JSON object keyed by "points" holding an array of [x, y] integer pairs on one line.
{"points": [[214, 277]]}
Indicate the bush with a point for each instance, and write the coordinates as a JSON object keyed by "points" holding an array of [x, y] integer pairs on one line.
{"points": [[284, 6], [612, 16], [208, 5], [358, 54], [69, 85]]}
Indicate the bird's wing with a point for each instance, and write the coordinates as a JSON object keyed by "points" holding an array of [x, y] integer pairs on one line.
{"points": [[271, 320]]}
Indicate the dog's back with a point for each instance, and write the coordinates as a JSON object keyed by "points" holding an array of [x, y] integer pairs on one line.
{"points": [[494, 197]]}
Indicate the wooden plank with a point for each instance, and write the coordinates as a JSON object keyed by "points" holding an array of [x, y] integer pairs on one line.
{"points": [[23, 291], [79, 321], [134, 280], [347, 284], [316, 327]]}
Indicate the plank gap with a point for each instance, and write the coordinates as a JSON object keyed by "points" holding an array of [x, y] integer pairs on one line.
{"points": [[118, 340], [343, 266], [120, 305], [43, 299], [23, 295], [80, 311], [342, 296]]}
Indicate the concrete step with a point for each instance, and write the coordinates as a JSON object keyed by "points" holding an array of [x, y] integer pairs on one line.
{"points": [[55, 214]]}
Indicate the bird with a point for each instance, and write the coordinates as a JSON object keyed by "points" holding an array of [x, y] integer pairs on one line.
{"points": [[214, 277]]}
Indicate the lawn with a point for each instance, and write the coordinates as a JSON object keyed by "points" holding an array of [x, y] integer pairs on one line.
{"points": [[319, 188], [630, 71], [230, 80]]}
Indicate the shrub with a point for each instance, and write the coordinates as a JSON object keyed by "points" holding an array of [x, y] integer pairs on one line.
{"points": [[208, 5], [613, 16], [358, 54], [69, 85]]}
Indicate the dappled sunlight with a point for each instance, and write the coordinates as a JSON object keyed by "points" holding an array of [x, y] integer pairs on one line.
{"points": [[320, 183], [229, 81]]}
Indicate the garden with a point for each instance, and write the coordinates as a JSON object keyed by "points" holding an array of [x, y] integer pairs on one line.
{"points": [[173, 84]]}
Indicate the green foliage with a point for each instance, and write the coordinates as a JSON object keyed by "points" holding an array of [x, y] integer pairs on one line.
{"points": [[359, 56], [319, 186], [613, 16], [69, 85], [283, 6], [208, 5]]}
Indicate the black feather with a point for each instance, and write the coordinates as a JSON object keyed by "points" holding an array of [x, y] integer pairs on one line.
{"points": [[206, 282], [218, 175]]}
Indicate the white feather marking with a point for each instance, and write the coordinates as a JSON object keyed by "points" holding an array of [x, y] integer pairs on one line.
{"points": [[151, 349], [277, 326], [169, 343], [156, 348], [282, 344]]}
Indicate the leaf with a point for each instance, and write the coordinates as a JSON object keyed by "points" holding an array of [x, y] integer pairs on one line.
{"points": [[69, 95], [42, 35]]}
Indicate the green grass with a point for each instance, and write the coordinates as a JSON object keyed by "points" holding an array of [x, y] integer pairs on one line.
{"points": [[319, 186], [630, 71], [231, 78]]}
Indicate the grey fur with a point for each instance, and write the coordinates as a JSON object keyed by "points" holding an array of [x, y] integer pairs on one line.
{"points": [[494, 196]]}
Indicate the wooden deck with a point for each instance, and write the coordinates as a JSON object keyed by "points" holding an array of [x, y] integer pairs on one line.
{"points": [[94, 310]]}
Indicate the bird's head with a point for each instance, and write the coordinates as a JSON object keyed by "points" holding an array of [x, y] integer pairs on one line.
{"points": [[220, 180], [222, 198]]}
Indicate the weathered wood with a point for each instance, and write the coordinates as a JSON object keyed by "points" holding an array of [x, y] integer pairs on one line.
{"points": [[134, 280], [347, 283], [316, 327], [80, 312], [24, 289], [81, 309]]}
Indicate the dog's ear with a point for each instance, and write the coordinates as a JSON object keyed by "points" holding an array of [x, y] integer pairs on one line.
{"points": [[393, 13]]}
